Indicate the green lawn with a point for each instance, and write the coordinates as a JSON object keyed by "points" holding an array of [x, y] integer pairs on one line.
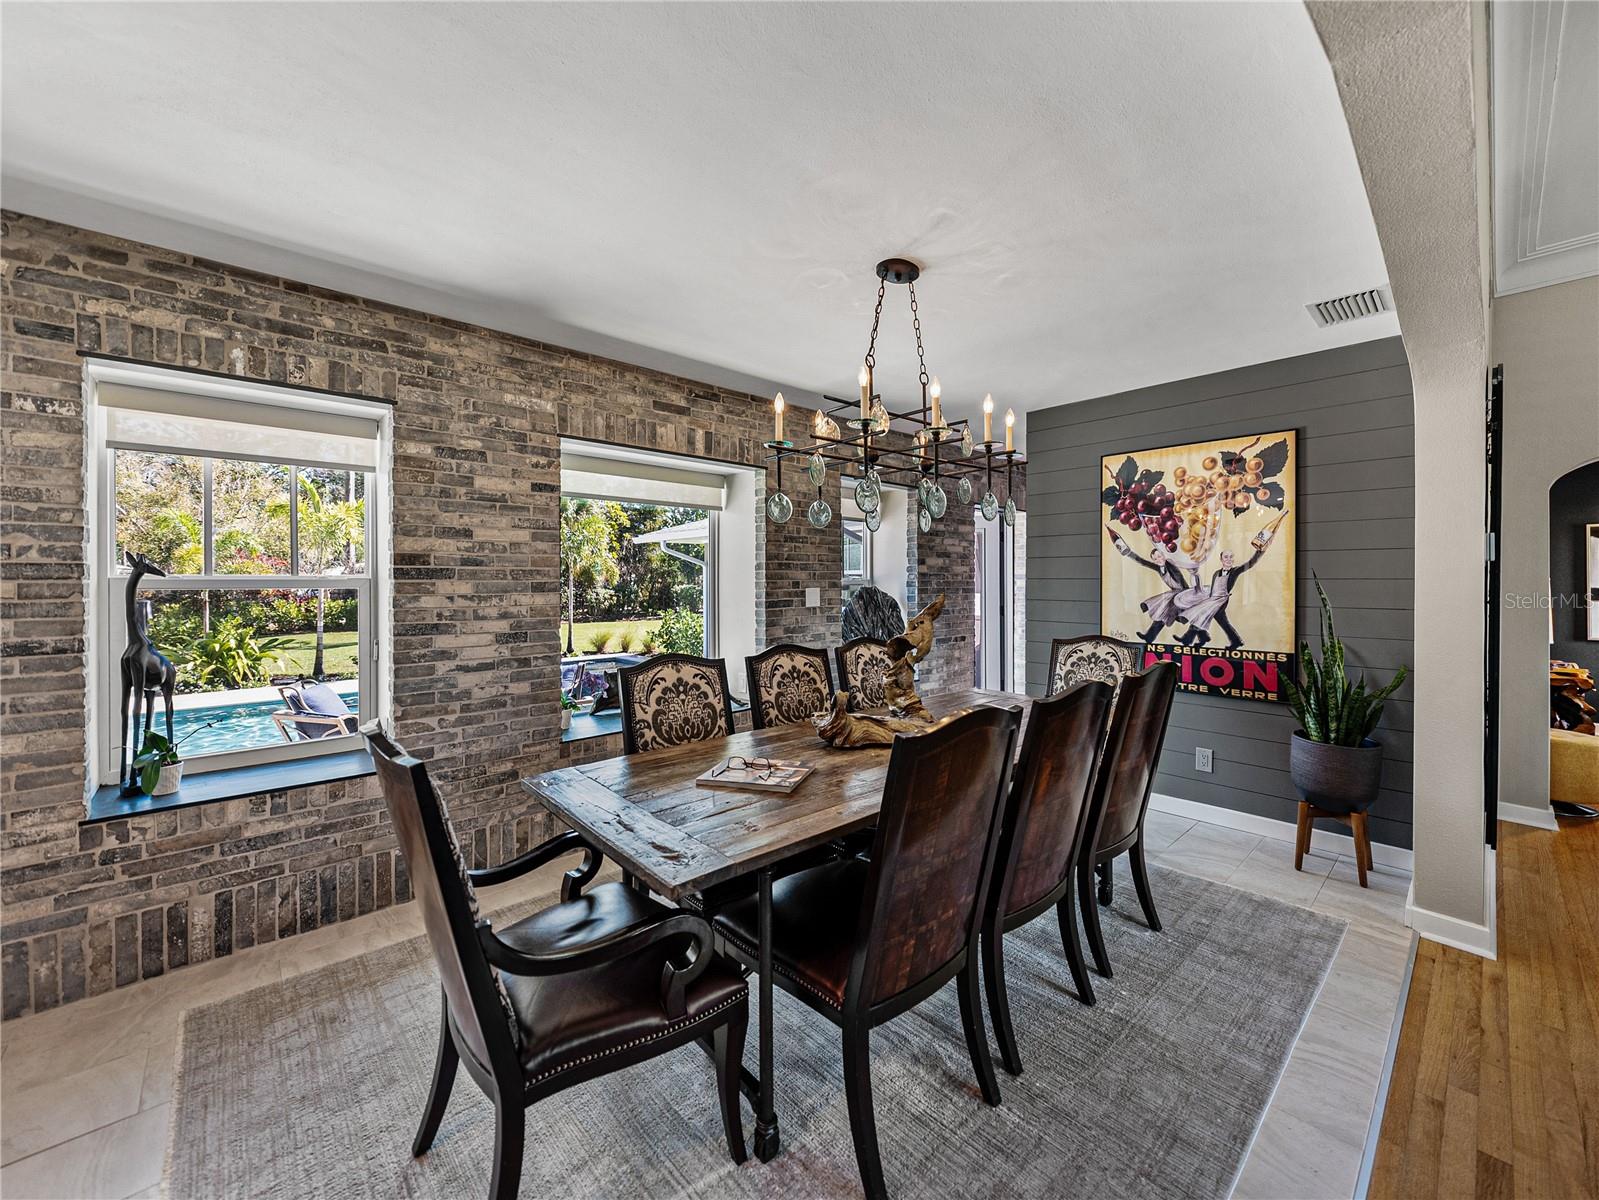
{"points": [[612, 636], [338, 654]]}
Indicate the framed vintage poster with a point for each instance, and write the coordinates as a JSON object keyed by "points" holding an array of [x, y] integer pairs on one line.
{"points": [[1198, 560]]}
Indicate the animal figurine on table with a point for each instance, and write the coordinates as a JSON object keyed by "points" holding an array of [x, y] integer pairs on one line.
{"points": [[843, 729], [145, 671]]}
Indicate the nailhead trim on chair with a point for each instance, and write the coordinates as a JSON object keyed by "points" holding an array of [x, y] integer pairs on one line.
{"points": [[651, 1037], [825, 997]]}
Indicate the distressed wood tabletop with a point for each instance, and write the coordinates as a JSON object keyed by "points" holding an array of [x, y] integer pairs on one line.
{"points": [[648, 813]]}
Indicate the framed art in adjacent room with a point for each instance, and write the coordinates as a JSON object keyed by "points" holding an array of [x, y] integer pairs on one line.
{"points": [[1198, 560]]}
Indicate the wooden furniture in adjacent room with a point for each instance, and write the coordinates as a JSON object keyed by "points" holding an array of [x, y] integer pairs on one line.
{"points": [[578, 990]]}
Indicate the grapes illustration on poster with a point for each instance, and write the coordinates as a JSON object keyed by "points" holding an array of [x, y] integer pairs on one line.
{"points": [[1198, 561]]}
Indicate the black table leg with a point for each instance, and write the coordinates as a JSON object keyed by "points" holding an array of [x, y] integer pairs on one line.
{"points": [[767, 1142]]}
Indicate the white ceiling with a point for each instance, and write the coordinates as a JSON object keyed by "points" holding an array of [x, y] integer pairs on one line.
{"points": [[1545, 142], [1103, 195]]}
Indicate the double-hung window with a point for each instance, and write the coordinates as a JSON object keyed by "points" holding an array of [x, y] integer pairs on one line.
{"points": [[263, 512]]}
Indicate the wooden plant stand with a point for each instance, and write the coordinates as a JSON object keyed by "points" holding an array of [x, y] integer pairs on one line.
{"points": [[1357, 826]]}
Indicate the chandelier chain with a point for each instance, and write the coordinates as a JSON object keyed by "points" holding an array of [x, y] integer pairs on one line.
{"points": [[916, 322], [877, 317]]}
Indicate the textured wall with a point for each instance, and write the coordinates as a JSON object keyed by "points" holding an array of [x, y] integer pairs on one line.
{"points": [[476, 602], [1356, 530]]}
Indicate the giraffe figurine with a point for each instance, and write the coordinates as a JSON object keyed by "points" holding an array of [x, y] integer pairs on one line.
{"points": [[144, 671]]}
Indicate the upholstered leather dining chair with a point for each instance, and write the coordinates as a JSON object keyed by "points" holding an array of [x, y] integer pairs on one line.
{"points": [[862, 664], [1142, 709], [1089, 658], [580, 989], [1045, 820], [788, 683], [673, 699], [863, 941]]}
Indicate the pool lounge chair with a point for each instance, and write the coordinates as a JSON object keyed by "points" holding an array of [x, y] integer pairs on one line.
{"points": [[314, 711]]}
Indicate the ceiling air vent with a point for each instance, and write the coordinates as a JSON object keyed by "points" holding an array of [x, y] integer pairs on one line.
{"points": [[1351, 307]]}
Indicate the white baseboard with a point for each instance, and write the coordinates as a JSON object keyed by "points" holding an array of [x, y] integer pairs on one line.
{"points": [[1283, 831], [1527, 814], [1473, 938]]}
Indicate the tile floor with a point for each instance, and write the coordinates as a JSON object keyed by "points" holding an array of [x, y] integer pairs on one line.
{"points": [[84, 1090]]}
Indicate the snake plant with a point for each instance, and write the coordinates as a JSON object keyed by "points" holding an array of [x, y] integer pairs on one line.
{"points": [[1330, 707]]}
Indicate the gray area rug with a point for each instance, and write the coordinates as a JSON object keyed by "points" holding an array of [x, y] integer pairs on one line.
{"points": [[312, 1087]]}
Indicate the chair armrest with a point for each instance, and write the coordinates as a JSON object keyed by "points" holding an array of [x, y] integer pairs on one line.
{"points": [[572, 883], [677, 973]]}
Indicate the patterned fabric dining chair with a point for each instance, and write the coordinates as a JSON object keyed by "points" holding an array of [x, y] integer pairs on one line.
{"points": [[788, 683], [862, 664], [1089, 659], [674, 699]]}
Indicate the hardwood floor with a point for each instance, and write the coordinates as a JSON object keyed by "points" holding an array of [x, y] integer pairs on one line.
{"points": [[1495, 1089]]}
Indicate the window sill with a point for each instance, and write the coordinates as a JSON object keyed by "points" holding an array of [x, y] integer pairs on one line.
{"points": [[109, 804]]}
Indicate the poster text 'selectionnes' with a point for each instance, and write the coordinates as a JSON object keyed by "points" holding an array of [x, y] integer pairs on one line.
{"points": [[1198, 560]]}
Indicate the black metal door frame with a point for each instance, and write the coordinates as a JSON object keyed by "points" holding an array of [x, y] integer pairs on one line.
{"points": [[1495, 467]]}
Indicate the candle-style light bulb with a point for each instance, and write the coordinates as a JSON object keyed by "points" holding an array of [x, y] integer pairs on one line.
{"points": [[865, 380], [1010, 425], [777, 417], [988, 418], [936, 392]]}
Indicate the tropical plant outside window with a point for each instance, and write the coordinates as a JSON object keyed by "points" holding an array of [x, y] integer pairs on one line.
{"points": [[267, 588], [626, 596]]}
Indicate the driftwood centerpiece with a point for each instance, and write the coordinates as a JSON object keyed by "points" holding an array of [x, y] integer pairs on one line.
{"points": [[906, 713]]}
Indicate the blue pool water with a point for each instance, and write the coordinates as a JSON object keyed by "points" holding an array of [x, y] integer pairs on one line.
{"points": [[241, 726]]}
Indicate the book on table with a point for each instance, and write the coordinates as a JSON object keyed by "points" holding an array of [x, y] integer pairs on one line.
{"points": [[756, 774]]}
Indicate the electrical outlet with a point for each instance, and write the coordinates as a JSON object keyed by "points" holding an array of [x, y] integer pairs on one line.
{"points": [[1202, 759], [813, 597]]}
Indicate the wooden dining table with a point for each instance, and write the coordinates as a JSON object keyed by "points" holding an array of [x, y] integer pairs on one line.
{"points": [[669, 833]]}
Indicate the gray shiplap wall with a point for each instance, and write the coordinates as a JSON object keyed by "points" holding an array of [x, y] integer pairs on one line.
{"points": [[1356, 510]]}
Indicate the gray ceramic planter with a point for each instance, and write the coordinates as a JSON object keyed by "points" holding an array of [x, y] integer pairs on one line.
{"points": [[1337, 779]]}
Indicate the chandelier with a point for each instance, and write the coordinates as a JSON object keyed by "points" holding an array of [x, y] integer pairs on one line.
{"points": [[873, 447]]}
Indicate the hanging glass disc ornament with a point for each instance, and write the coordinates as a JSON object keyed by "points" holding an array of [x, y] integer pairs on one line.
{"points": [[924, 489], [963, 492], [924, 520], [779, 507], [879, 418], [825, 426], [816, 468], [966, 441], [867, 495], [990, 506], [1010, 513], [820, 513], [937, 502], [874, 519]]}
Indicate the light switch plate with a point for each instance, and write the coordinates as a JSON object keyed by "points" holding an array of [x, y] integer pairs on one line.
{"points": [[1202, 759], [813, 597]]}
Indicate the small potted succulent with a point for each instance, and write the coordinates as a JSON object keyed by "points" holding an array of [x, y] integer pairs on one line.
{"points": [[1332, 759], [158, 766], [568, 707]]}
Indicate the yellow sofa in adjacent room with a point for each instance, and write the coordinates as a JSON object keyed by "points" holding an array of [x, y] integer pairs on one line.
{"points": [[1574, 767]]}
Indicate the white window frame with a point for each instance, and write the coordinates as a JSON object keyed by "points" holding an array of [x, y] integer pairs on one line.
{"points": [[864, 575], [108, 579]]}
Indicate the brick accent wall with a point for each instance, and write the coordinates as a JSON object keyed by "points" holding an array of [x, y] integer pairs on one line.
{"points": [[476, 598]]}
